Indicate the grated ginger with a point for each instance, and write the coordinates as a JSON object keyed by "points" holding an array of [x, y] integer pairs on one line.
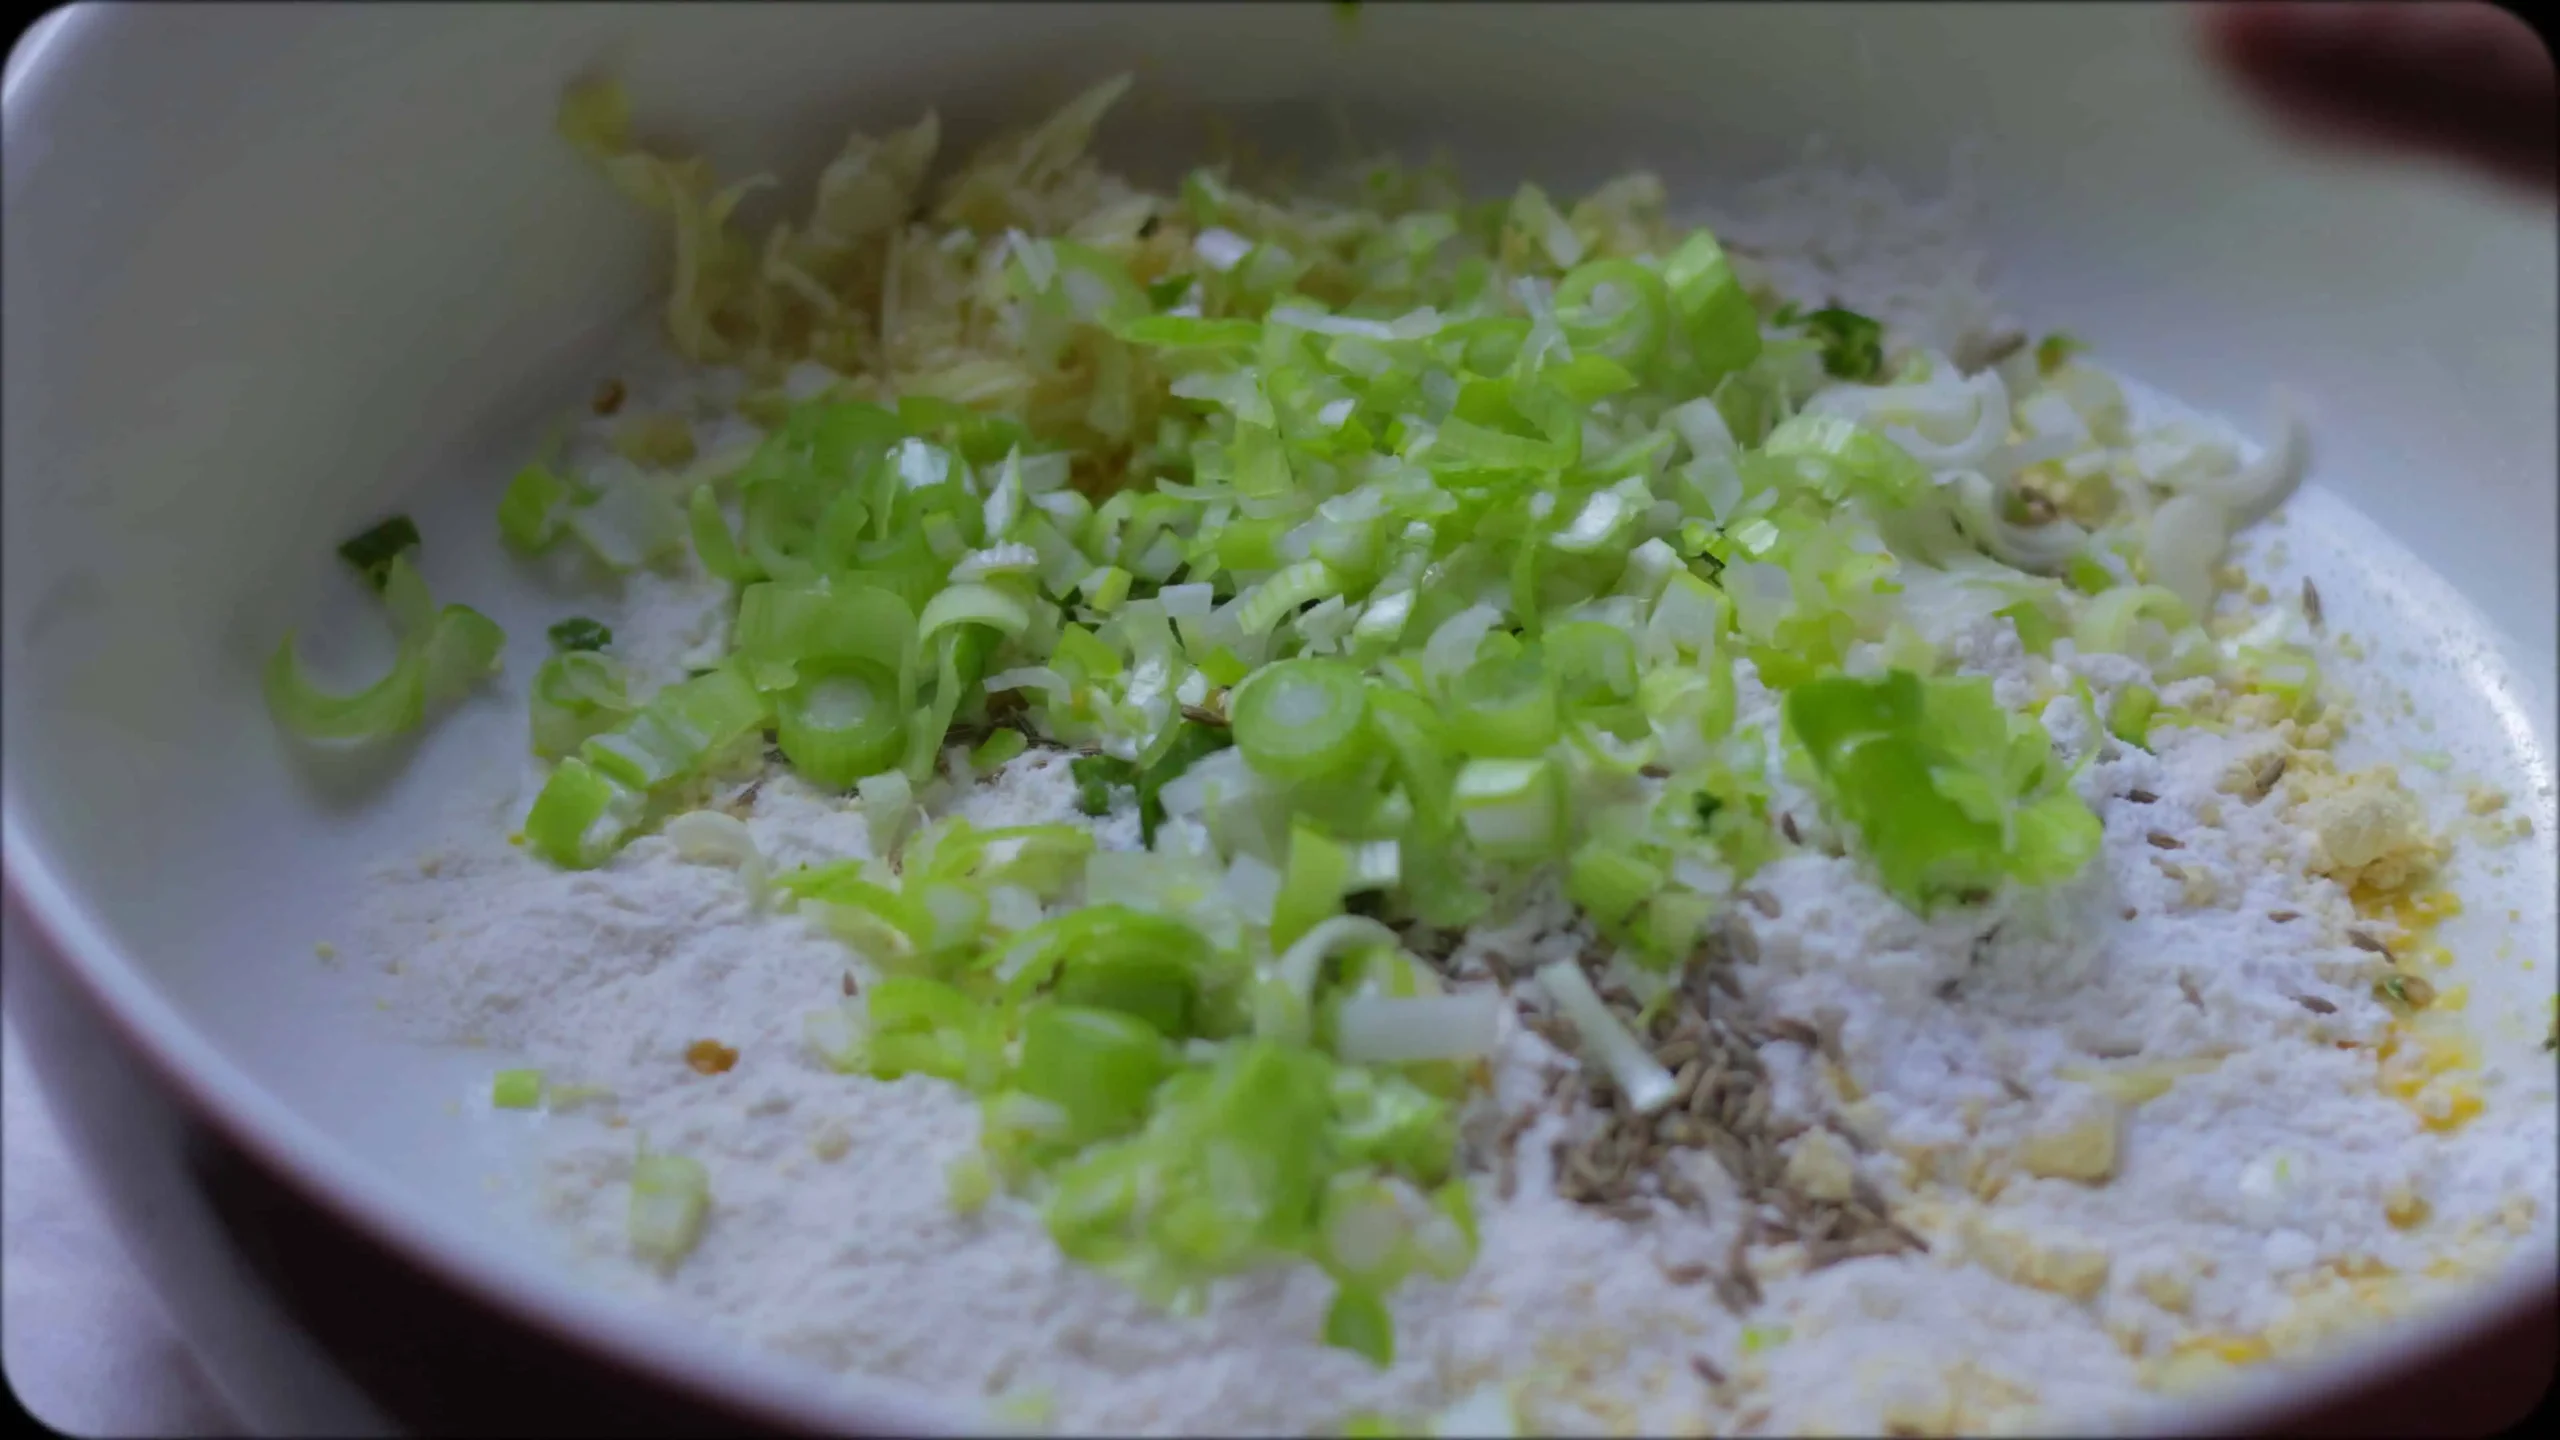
{"points": [[2368, 831]]}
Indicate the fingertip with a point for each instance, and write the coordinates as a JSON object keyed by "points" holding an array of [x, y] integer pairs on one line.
{"points": [[2225, 25], [2255, 37]]}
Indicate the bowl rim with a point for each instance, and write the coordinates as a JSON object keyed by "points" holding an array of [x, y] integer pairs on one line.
{"points": [[766, 1386]]}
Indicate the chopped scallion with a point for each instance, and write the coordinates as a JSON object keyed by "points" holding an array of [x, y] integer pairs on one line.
{"points": [[516, 1089]]}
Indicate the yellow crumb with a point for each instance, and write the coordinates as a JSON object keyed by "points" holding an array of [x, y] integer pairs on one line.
{"points": [[2081, 1147], [2424, 1066], [1821, 1165], [2370, 832], [2075, 1269], [2139, 1084], [2168, 1290]]}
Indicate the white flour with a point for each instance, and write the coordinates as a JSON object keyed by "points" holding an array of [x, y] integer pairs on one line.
{"points": [[2250, 1200]]}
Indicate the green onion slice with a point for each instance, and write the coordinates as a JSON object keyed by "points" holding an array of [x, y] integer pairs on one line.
{"points": [[1301, 719], [841, 722], [443, 653]]}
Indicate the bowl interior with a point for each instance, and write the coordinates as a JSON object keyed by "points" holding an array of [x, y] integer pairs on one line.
{"points": [[272, 272]]}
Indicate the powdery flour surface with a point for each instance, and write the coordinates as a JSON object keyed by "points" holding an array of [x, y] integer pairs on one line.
{"points": [[2191, 1020]]}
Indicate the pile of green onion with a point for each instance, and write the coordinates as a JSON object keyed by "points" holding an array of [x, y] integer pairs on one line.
{"points": [[1388, 551]]}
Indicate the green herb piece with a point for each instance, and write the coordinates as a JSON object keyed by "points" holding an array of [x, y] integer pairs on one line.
{"points": [[531, 513], [2055, 351], [580, 633], [1095, 775], [373, 551], [1852, 344], [2130, 719], [1190, 743], [2086, 575], [999, 747], [516, 1089], [670, 1195], [1952, 794], [1358, 1322]]}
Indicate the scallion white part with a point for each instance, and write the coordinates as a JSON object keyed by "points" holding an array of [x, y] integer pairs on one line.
{"points": [[712, 837], [1396, 1030], [888, 804], [670, 1195], [1640, 1078]]}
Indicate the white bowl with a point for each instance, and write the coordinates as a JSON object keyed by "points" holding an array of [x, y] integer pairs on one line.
{"points": [[270, 269]]}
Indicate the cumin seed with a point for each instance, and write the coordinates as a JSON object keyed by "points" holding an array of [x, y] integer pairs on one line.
{"points": [[1702, 1102], [1739, 939], [2409, 990], [1787, 1027], [1744, 1280]]}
